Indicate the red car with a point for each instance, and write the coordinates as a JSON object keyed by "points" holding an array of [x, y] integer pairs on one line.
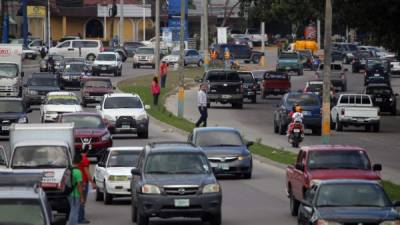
{"points": [[91, 132], [275, 83], [94, 88]]}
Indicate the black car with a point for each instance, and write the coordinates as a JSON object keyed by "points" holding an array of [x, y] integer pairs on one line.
{"points": [[259, 77], [72, 74], [376, 72], [226, 150], [383, 97], [12, 110], [174, 179], [239, 52], [359, 61], [347, 202], [131, 47], [347, 49], [249, 86], [37, 86]]}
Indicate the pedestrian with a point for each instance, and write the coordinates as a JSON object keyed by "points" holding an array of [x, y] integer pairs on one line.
{"points": [[227, 58], [202, 105], [43, 51], [155, 90], [86, 178], [76, 197], [213, 56], [163, 73]]}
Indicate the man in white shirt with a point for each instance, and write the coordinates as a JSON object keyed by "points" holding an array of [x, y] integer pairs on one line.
{"points": [[202, 105]]}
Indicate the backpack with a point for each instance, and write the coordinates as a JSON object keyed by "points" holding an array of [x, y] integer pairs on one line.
{"points": [[70, 186]]}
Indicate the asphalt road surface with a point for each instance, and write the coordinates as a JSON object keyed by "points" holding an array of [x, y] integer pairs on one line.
{"points": [[245, 202]]}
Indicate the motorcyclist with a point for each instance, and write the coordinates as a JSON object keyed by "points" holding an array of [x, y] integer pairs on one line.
{"points": [[297, 119]]}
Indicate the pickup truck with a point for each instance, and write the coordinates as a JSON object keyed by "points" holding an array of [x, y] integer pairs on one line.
{"points": [[324, 162], [356, 110], [239, 52], [290, 62], [338, 75], [224, 86], [275, 83]]}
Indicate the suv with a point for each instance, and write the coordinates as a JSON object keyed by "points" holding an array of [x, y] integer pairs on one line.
{"points": [[145, 56], [125, 113], [94, 88], [382, 96], [107, 62], [37, 86], [88, 49], [12, 110], [240, 52], [174, 179]]}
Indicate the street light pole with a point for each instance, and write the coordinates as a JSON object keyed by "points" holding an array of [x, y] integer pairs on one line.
{"points": [[326, 116], [121, 23], [181, 92], [48, 25]]}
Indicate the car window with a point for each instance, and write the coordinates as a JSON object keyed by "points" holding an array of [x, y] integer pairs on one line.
{"points": [[84, 121], [40, 157], [89, 44], [122, 102], [338, 160], [218, 138], [216, 76], [303, 99], [333, 67], [62, 100], [287, 55], [8, 70], [246, 77], [64, 45], [106, 57], [97, 84], [10, 106], [123, 159], [176, 163], [276, 76], [43, 82], [21, 211], [344, 99], [75, 67]]}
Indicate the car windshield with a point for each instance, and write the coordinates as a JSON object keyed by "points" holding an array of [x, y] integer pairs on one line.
{"points": [[97, 84], [288, 56], [315, 87], [9, 106], [258, 75], [338, 160], [21, 212], [176, 163], [379, 90], [123, 159], [84, 121], [303, 99], [218, 138], [351, 47], [175, 53], [246, 77], [123, 102], [222, 76], [74, 67], [62, 100], [106, 57], [348, 195], [57, 57], [43, 82], [145, 51], [8, 70], [40, 157]]}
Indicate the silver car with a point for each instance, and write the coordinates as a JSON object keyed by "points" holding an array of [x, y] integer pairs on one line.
{"points": [[192, 56], [144, 57]]}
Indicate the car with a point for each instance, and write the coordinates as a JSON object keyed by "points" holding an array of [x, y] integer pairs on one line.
{"points": [[72, 74], [226, 150], [255, 36], [383, 97], [337, 56], [28, 53], [59, 63], [338, 75], [290, 62], [94, 88], [131, 47], [107, 62], [259, 77], [118, 49], [395, 68], [347, 49], [240, 40], [377, 71], [311, 109], [238, 52], [57, 103], [307, 58], [359, 61], [88, 49], [12, 110], [144, 57], [275, 83], [125, 113], [113, 173], [36, 45], [316, 163], [249, 86], [37, 86], [174, 179], [90, 131], [348, 202], [21, 193], [191, 56]]}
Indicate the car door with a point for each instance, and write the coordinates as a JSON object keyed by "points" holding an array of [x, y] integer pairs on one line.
{"points": [[196, 57], [3, 159], [100, 172], [298, 175], [64, 49]]}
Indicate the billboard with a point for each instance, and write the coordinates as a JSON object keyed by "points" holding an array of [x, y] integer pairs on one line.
{"points": [[174, 18], [36, 11]]}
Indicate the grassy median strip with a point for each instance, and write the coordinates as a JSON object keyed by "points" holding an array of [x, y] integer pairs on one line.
{"points": [[141, 86]]}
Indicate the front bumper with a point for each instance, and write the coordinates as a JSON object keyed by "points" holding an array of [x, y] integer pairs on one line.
{"points": [[104, 69], [92, 99], [164, 206], [225, 98], [94, 149], [132, 127], [236, 167], [120, 188]]}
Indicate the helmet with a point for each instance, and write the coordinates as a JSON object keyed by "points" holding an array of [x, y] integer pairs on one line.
{"points": [[297, 108]]}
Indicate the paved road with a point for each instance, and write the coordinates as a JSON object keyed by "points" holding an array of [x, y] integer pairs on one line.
{"points": [[244, 201], [256, 122]]}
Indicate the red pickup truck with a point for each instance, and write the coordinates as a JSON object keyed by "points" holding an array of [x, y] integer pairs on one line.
{"points": [[275, 83], [324, 162]]}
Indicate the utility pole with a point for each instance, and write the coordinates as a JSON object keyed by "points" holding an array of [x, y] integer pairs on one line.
{"points": [[48, 25], [205, 23], [263, 43], [105, 21], [181, 92], [319, 33], [157, 47], [2, 4], [112, 13], [326, 115], [121, 22], [144, 20]]}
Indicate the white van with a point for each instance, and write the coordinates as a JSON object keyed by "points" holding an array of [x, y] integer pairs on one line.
{"points": [[89, 48]]}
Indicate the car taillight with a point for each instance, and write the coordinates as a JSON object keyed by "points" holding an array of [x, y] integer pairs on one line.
{"points": [[342, 76], [342, 112]]}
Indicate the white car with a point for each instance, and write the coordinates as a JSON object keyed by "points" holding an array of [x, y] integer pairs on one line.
{"points": [[125, 113], [113, 173], [89, 49], [395, 68], [107, 62], [57, 103]]}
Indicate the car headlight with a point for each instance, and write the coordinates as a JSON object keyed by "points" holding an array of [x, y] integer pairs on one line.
{"points": [[391, 99], [106, 137], [150, 189], [396, 222], [211, 188], [350, 55], [32, 92], [324, 222], [22, 120], [243, 157], [141, 117], [118, 178]]}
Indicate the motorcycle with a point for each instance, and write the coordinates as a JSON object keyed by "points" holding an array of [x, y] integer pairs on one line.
{"points": [[296, 134]]}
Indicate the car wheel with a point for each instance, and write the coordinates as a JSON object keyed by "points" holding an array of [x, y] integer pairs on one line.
{"points": [[215, 219], [376, 127], [276, 128], [99, 195], [200, 63], [367, 128], [208, 105], [301, 72], [133, 212], [294, 205], [282, 129], [106, 197], [249, 174], [256, 59], [339, 126], [144, 134], [91, 57], [141, 219], [254, 99]]}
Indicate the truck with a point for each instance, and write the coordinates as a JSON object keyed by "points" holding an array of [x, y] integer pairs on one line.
{"points": [[355, 110], [290, 62], [303, 45], [11, 70], [338, 75], [325, 162], [275, 83], [47, 149]]}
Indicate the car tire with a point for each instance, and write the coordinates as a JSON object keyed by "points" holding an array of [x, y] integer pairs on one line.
{"points": [[99, 195], [256, 59], [339, 125], [301, 72], [144, 134], [293, 205], [282, 129], [133, 212], [254, 99], [367, 128], [249, 174], [153, 66], [376, 127], [91, 57], [208, 105], [141, 219], [200, 63], [263, 94], [107, 198], [215, 219], [276, 128]]}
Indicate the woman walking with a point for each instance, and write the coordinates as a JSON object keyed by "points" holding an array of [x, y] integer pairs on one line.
{"points": [[155, 90]]}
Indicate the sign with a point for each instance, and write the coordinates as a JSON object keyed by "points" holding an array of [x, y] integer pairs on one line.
{"points": [[174, 7], [36, 11], [222, 35], [310, 32]]}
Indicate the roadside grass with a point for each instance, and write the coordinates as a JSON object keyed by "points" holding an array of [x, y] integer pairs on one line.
{"points": [[141, 86]]}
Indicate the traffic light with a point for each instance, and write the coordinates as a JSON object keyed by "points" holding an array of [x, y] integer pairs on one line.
{"points": [[113, 10]]}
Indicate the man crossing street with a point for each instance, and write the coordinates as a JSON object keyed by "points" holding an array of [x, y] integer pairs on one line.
{"points": [[202, 105]]}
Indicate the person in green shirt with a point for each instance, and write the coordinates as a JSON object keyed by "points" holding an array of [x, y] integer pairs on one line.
{"points": [[76, 197]]}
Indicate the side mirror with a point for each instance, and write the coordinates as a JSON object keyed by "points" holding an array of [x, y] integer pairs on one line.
{"points": [[249, 143], [299, 166], [135, 172], [22, 74], [101, 164], [98, 108], [147, 107], [377, 167]]}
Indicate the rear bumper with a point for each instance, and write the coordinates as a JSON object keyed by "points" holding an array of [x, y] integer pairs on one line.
{"points": [[92, 99], [225, 98], [137, 127], [359, 121], [275, 91], [232, 168], [311, 123], [119, 188]]}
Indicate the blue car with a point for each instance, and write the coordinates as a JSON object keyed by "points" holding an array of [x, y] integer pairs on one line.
{"points": [[225, 149], [311, 106], [12, 110]]}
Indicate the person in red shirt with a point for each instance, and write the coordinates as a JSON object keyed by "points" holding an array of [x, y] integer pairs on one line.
{"points": [[155, 90], [86, 177], [163, 73]]}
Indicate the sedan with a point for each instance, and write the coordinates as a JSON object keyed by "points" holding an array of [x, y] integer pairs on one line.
{"points": [[225, 149], [57, 103], [336, 202], [191, 57], [72, 74], [28, 53]]}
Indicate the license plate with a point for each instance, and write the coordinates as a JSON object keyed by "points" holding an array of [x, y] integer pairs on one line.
{"points": [[126, 126], [5, 128], [296, 130], [378, 99], [306, 113], [103, 68], [223, 166], [98, 98], [182, 202], [250, 93], [377, 75], [226, 96], [42, 97]]}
